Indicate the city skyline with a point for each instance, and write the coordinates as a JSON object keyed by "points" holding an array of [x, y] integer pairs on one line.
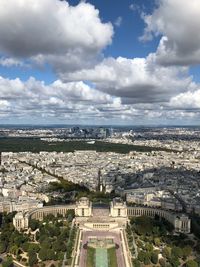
{"points": [[96, 63]]}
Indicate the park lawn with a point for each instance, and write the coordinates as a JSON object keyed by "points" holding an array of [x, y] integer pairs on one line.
{"points": [[112, 259], [35, 145], [90, 257]]}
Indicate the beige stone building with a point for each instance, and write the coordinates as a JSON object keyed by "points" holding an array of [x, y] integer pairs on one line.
{"points": [[83, 207], [89, 217]]}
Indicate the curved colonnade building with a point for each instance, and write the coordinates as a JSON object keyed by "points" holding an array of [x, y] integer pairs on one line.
{"points": [[181, 222], [116, 216]]}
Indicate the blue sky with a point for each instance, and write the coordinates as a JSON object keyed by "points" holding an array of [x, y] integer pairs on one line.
{"points": [[128, 62]]}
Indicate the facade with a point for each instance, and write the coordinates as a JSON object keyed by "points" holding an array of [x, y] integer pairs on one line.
{"points": [[5, 206], [83, 207], [17, 205], [116, 217], [20, 221], [118, 208], [154, 198], [182, 224]]}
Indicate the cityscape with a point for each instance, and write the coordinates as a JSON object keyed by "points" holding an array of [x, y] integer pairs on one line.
{"points": [[99, 133], [113, 207]]}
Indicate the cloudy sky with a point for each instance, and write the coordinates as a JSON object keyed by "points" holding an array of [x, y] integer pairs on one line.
{"points": [[126, 62]]}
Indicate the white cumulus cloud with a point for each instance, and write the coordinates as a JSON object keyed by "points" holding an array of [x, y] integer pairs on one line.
{"points": [[138, 80], [177, 22], [187, 100], [52, 30]]}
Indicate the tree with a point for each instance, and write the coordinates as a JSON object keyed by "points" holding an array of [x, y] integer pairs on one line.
{"points": [[166, 252], [60, 255], [149, 247], [143, 225], [33, 247], [8, 262], [34, 224], [147, 259], [19, 238], [49, 218], [8, 218], [25, 246], [69, 250], [177, 252], [13, 249], [46, 244], [154, 257], [136, 263], [198, 260], [59, 245], [70, 215], [141, 256], [54, 230], [42, 254], [191, 263], [32, 258], [50, 254], [187, 251], [2, 247], [174, 262], [162, 262], [157, 241]]}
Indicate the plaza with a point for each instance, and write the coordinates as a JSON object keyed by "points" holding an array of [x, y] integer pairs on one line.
{"points": [[101, 258]]}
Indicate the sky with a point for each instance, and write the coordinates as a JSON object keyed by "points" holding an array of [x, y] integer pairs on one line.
{"points": [[100, 62]]}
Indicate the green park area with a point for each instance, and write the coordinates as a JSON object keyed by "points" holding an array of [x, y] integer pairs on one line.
{"points": [[112, 259], [46, 243], [15, 144], [101, 257], [90, 257], [156, 244]]}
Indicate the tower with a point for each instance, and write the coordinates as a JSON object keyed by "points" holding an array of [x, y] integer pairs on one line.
{"points": [[99, 182]]}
